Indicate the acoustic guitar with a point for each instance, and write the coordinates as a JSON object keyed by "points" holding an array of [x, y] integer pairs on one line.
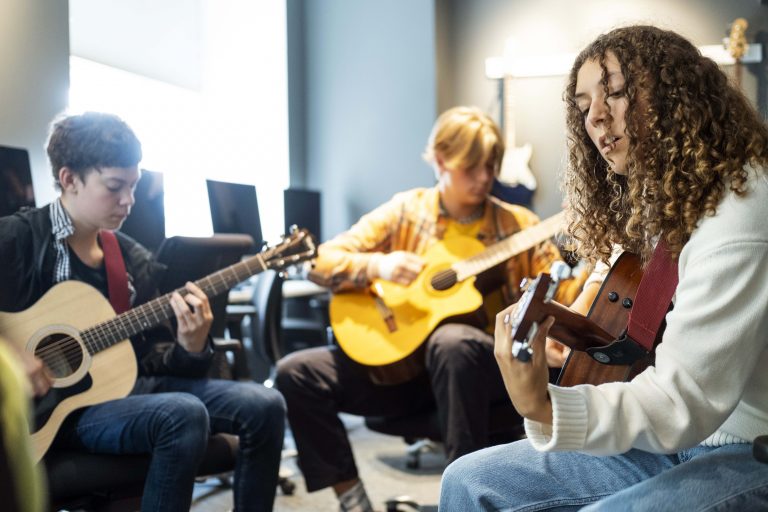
{"points": [[737, 46], [597, 353], [385, 326], [515, 169], [74, 331]]}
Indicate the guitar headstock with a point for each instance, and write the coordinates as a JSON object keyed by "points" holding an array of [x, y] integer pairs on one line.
{"points": [[737, 39], [523, 324], [296, 247]]}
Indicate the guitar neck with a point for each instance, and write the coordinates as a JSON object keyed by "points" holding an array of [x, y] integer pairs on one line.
{"points": [[509, 113], [508, 247], [105, 334]]}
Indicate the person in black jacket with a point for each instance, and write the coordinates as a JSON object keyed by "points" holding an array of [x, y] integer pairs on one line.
{"points": [[173, 406]]}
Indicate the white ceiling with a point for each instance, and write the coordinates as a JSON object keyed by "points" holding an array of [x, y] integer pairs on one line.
{"points": [[158, 39]]}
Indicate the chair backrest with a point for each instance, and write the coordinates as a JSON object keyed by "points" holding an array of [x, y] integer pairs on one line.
{"points": [[268, 300], [192, 258]]}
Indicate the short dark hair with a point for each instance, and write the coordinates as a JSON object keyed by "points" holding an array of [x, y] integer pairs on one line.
{"points": [[87, 141]]}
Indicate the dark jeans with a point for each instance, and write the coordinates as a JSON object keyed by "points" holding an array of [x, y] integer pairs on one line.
{"points": [[462, 380], [171, 418]]}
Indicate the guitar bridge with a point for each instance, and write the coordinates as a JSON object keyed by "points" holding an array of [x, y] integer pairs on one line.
{"points": [[623, 351], [385, 311]]}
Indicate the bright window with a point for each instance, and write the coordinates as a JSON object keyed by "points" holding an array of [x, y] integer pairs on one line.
{"points": [[234, 128]]}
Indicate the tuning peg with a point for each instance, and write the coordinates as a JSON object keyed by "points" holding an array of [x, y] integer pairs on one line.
{"points": [[560, 271]]}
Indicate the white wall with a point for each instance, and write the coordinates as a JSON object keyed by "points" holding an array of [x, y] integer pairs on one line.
{"points": [[34, 59], [369, 102]]}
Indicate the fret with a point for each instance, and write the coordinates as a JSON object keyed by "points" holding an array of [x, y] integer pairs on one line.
{"points": [[509, 247]]}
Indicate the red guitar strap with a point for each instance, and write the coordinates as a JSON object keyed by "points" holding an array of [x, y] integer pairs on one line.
{"points": [[654, 294], [117, 276]]}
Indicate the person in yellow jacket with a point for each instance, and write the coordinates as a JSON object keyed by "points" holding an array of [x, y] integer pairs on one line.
{"points": [[389, 243]]}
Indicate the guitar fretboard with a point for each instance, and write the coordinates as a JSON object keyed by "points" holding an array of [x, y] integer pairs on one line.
{"points": [[156, 311], [509, 247]]}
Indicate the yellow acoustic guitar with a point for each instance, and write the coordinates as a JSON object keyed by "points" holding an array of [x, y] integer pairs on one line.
{"points": [[74, 331], [385, 326]]}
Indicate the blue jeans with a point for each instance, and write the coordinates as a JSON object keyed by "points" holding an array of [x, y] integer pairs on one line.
{"points": [[171, 418], [516, 477]]}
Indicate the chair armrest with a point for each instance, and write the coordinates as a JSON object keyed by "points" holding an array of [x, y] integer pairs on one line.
{"points": [[237, 364], [760, 449], [226, 345]]}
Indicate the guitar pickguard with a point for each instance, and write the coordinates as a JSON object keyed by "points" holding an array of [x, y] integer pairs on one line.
{"points": [[45, 405]]}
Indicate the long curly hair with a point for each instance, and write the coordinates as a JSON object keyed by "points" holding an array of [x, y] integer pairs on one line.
{"points": [[691, 133]]}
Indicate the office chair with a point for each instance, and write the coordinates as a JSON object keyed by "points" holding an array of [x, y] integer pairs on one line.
{"points": [[80, 480], [192, 258], [277, 328]]}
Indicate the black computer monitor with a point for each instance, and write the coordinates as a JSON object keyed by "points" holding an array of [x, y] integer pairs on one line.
{"points": [[146, 223], [302, 208], [15, 180], [235, 209]]}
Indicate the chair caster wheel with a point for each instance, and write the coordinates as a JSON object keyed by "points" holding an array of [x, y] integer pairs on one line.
{"points": [[287, 487], [413, 461], [408, 503]]}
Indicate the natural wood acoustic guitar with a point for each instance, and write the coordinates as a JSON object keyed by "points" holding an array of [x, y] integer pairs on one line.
{"points": [[588, 336], [74, 331], [384, 327]]}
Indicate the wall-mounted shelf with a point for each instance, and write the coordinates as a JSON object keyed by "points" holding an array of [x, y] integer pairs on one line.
{"points": [[560, 64]]}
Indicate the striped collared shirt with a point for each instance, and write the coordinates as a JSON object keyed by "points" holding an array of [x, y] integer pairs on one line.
{"points": [[61, 228]]}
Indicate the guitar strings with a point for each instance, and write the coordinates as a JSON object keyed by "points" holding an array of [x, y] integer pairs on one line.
{"points": [[68, 349]]}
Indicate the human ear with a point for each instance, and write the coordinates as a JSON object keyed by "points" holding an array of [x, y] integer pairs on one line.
{"points": [[439, 166], [68, 179]]}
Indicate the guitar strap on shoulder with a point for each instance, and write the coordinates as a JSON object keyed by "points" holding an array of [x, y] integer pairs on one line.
{"points": [[654, 294], [117, 276]]}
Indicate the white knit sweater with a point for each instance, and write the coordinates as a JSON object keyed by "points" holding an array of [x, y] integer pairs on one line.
{"points": [[710, 381]]}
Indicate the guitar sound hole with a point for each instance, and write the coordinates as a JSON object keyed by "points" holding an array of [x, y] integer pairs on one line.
{"points": [[444, 280], [61, 353]]}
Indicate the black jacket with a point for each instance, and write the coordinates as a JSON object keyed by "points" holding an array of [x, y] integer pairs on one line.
{"points": [[27, 258]]}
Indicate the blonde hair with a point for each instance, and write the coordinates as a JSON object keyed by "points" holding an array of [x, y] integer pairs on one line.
{"points": [[463, 138]]}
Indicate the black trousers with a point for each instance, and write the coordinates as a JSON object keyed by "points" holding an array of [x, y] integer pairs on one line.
{"points": [[462, 381]]}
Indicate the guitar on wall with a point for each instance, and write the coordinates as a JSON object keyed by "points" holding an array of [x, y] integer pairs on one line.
{"points": [[383, 326], [74, 331], [515, 168], [596, 356]]}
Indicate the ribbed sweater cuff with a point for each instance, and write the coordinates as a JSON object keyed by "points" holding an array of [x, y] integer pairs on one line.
{"points": [[569, 428]]}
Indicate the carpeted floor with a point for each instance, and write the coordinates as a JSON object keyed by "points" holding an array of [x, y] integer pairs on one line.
{"points": [[381, 461]]}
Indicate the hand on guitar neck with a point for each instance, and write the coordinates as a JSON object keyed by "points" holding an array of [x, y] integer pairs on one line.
{"points": [[193, 316], [526, 382]]}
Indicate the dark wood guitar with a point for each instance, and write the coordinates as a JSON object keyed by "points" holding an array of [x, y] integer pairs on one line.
{"points": [[74, 331], [596, 356]]}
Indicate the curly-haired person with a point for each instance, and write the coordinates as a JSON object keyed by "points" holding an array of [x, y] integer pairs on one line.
{"points": [[662, 147]]}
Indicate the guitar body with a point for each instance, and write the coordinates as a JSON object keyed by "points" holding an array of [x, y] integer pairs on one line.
{"points": [[391, 350], [609, 312], [50, 329], [515, 169]]}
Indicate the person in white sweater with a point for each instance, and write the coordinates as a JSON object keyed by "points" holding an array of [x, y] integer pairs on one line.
{"points": [[661, 147]]}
